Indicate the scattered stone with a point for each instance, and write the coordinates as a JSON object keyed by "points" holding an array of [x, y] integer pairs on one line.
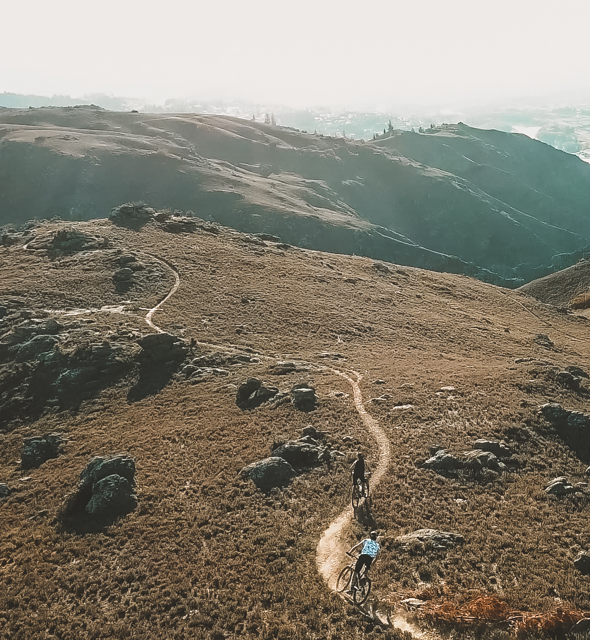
{"points": [[443, 461], [379, 381], [4, 491], [302, 454], [582, 562], [499, 449], [269, 473], [38, 449], [479, 459], [351, 439], [577, 371], [253, 393], [437, 539], [559, 487], [567, 379], [283, 368], [544, 341], [331, 355], [304, 397], [560, 417]]}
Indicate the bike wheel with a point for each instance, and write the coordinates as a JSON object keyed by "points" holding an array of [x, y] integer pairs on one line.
{"points": [[344, 579], [362, 593], [356, 495]]}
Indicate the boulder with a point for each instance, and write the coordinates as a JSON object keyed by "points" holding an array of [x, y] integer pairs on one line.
{"points": [[443, 461], [437, 539], [111, 496], [559, 487], [499, 449], [302, 454], [576, 371], [253, 393], [567, 379], [162, 346], [105, 489], [4, 491], [554, 412], [582, 562], [131, 214], [38, 449], [304, 398], [123, 275], [269, 473], [479, 459]]}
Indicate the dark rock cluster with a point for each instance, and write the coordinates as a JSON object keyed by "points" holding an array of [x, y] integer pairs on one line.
{"points": [[290, 458], [38, 449], [486, 455], [106, 490], [253, 393]]}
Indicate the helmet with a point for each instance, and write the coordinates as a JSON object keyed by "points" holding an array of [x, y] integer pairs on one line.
{"points": [[373, 535]]}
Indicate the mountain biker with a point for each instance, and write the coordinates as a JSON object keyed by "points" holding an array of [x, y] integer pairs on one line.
{"points": [[358, 468], [368, 553]]}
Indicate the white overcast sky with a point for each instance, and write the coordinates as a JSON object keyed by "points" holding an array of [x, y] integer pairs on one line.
{"points": [[361, 53]]}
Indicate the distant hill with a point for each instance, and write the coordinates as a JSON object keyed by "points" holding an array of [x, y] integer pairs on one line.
{"points": [[561, 287], [497, 206]]}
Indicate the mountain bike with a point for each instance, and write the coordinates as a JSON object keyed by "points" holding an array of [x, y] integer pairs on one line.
{"points": [[360, 490], [358, 585]]}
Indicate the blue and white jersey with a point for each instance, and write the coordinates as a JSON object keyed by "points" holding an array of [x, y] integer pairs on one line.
{"points": [[370, 548]]}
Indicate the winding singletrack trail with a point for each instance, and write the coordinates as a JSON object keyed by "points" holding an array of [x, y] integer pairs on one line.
{"points": [[331, 551], [173, 290]]}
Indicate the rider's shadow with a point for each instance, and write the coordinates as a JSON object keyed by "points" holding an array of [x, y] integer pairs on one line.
{"points": [[363, 514]]}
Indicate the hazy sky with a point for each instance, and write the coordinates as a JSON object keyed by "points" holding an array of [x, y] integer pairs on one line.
{"points": [[368, 52]]}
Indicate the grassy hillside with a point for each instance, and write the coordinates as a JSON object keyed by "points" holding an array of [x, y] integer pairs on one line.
{"points": [[443, 360], [488, 204]]}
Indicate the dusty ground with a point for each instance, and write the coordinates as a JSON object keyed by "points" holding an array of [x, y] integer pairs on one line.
{"points": [[206, 555]]}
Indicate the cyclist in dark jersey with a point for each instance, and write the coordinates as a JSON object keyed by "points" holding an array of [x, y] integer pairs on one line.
{"points": [[358, 468]]}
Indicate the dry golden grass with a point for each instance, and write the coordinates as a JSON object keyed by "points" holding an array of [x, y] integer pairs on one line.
{"points": [[581, 301], [206, 555]]}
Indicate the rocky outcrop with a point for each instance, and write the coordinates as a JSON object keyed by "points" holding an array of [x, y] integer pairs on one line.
{"points": [[302, 454], [38, 449], [486, 455], [253, 393], [67, 241], [269, 473], [4, 491], [559, 487], [304, 398], [106, 489]]}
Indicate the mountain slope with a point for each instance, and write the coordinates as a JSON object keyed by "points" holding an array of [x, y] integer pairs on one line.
{"points": [[456, 199], [442, 360]]}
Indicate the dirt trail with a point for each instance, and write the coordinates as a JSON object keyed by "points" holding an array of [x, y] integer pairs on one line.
{"points": [[331, 551]]}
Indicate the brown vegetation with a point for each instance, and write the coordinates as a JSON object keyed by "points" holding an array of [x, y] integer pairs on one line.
{"points": [[581, 301], [206, 555]]}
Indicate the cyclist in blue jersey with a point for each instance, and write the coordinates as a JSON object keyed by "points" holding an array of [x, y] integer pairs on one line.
{"points": [[369, 551]]}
